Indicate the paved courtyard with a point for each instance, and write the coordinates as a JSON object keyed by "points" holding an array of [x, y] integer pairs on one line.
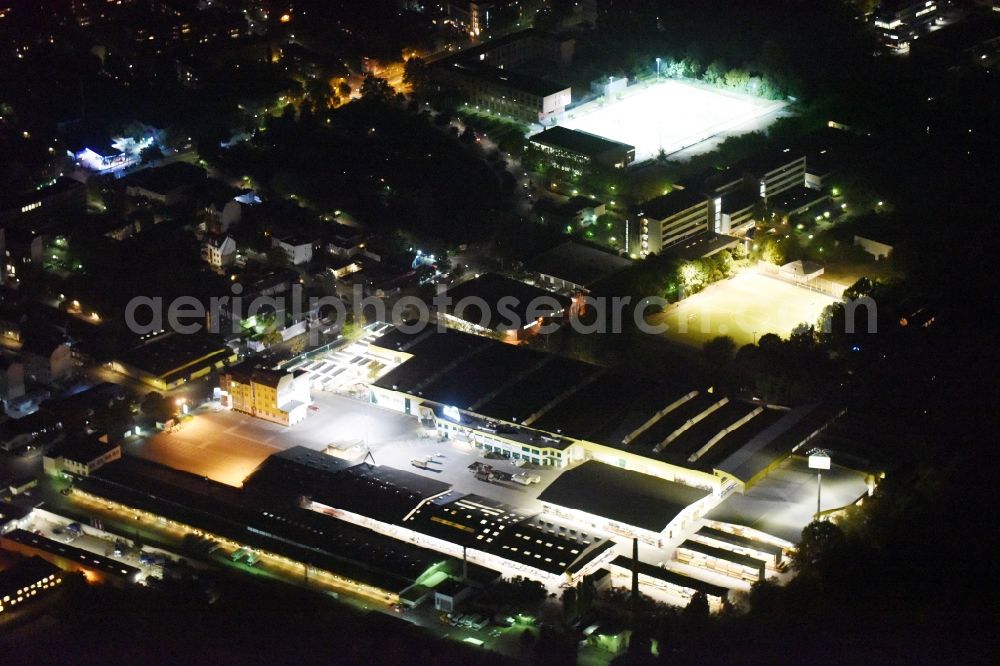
{"points": [[449, 462], [226, 446], [785, 501]]}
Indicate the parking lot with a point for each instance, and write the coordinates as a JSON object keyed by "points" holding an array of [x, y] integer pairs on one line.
{"points": [[785, 501], [449, 462], [226, 446]]}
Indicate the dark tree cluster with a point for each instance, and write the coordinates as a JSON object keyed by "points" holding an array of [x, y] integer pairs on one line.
{"points": [[380, 162]]}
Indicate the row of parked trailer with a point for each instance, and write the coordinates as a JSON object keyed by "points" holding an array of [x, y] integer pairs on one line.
{"points": [[470, 621]]}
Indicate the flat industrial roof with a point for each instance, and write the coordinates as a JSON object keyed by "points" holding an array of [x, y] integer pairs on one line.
{"points": [[435, 353], [740, 199], [627, 497], [495, 528], [520, 301], [796, 197], [265, 521], [60, 186], [79, 556], [769, 160], [383, 493], [740, 541], [577, 263], [607, 408], [703, 244], [164, 354], [723, 554], [83, 449], [294, 472], [578, 141], [481, 375], [522, 393], [518, 385], [775, 441], [532, 85], [672, 577], [712, 419], [672, 203]]}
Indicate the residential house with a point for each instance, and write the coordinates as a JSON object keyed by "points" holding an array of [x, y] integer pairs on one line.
{"points": [[39, 428], [81, 456], [11, 378], [46, 358], [298, 248], [219, 250]]}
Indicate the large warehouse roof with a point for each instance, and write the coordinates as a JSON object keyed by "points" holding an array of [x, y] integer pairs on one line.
{"points": [[547, 394], [508, 303], [383, 493], [630, 498], [577, 141], [517, 385], [259, 521], [577, 263], [492, 527]]}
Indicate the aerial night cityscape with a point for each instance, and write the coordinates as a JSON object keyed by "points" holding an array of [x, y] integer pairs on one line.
{"points": [[499, 331]]}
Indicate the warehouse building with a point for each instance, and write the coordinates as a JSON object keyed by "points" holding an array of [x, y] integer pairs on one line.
{"points": [[573, 267], [721, 560], [169, 360], [555, 411], [498, 536], [504, 308], [81, 455], [96, 568], [668, 580], [576, 150], [625, 503], [266, 516], [427, 513]]}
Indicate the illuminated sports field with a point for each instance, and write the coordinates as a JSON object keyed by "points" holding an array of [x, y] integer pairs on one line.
{"points": [[744, 308], [674, 115]]}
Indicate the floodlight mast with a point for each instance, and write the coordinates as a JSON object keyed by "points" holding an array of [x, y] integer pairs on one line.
{"points": [[819, 460]]}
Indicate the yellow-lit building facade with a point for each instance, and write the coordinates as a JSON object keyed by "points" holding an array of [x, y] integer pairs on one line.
{"points": [[271, 395]]}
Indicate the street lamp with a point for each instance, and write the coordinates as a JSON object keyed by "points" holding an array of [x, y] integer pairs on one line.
{"points": [[819, 460], [658, 60]]}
